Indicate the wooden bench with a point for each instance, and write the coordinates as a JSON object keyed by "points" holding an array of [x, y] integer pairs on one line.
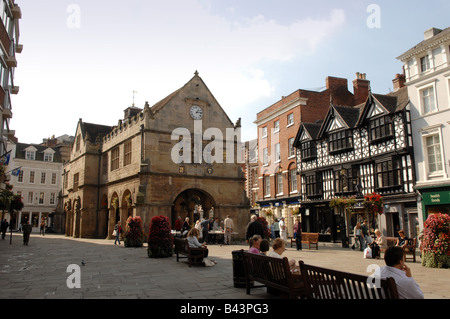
{"points": [[407, 251], [194, 255], [323, 283], [272, 273], [310, 239]]}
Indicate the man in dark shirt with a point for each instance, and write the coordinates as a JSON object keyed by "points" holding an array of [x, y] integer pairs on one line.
{"points": [[205, 230], [26, 232], [254, 228]]}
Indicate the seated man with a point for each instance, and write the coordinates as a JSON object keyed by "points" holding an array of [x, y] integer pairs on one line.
{"points": [[397, 269]]}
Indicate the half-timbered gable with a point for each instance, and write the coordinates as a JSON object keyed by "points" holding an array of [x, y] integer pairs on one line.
{"points": [[357, 150]]}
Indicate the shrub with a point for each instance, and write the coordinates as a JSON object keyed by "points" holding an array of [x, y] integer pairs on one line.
{"points": [[134, 236], [160, 240]]}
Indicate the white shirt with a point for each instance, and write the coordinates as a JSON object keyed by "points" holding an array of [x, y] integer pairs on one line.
{"points": [[406, 286], [193, 242], [274, 254]]}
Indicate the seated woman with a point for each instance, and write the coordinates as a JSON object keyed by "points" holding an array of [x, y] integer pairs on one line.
{"points": [[264, 247], [279, 247], [379, 243], [402, 241], [192, 239]]}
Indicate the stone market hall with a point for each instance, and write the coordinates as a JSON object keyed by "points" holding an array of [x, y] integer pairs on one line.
{"points": [[132, 168]]}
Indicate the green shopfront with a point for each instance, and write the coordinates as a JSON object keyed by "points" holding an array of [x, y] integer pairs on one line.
{"points": [[434, 200]]}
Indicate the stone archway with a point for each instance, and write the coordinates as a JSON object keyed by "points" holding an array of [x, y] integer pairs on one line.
{"points": [[185, 203]]}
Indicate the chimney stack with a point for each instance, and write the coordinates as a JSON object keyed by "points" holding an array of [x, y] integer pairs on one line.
{"points": [[360, 88], [399, 81]]}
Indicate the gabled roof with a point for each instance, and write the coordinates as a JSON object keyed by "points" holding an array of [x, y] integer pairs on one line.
{"points": [[345, 114], [161, 104], [312, 129], [392, 102], [94, 130]]}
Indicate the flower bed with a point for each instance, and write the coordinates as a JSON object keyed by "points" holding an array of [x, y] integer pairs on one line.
{"points": [[160, 240], [436, 241], [134, 236]]}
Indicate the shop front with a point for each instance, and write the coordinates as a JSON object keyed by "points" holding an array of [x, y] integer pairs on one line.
{"points": [[434, 200]]}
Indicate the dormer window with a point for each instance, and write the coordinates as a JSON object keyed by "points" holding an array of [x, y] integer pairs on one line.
{"points": [[340, 141], [48, 157], [380, 129], [30, 155]]}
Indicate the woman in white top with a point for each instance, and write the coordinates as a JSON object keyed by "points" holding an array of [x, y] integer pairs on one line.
{"points": [[199, 228], [192, 239], [279, 247]]}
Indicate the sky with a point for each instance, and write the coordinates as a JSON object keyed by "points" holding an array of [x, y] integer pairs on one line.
{"points": [[84, 59]]}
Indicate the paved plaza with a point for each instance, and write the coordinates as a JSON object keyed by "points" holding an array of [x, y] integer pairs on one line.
{"points": [[40, 271]]}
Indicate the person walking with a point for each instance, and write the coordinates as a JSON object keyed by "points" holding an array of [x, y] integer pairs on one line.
{"points": [[26, 232], [283, 229], [42, 227], [117, 231], [276, 228], [254, 228], [4, 227], [366, 233], [359, 240], [298, 233], [228, 230]]}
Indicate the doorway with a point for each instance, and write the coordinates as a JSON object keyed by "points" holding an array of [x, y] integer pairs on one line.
{"points": [[192, 203]]}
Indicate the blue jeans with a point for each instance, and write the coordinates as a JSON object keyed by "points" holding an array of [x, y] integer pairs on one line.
{"points": [[117, 238]]}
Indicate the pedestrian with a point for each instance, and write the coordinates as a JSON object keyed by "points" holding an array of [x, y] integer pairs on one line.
{"points": [[26, 232], [42, 227], [4, 227], [283, 229], [20, 228], [205, 230], [358, 238], [254, 227], [228, 230], [178, 224], [366, 233], [298, 233], [276, 228], [117, 231], [397, 269]]}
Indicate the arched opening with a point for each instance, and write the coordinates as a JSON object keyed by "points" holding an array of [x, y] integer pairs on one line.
{"points": [[192, 203]]}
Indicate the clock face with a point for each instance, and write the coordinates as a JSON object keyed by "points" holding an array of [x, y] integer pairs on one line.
{"points": [[196, 112]]}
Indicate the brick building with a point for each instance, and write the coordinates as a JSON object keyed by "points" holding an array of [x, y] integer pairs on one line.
{"points": [[279, 188], [153, 163]]}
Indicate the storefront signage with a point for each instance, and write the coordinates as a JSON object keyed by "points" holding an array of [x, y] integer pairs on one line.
{"points": [[436, 198]]}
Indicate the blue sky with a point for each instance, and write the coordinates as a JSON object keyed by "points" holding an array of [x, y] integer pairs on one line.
{"points": [[83, 59]]}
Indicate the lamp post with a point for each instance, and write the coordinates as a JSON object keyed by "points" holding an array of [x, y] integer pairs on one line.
{"points": [[343, 221]]}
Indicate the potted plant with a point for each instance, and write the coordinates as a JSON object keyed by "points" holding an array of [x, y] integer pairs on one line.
{"points": [[134, 236], [160, 240], [436, 241]]}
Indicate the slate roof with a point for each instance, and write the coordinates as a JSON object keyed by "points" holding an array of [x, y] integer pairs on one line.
{"points": [[20, 152], [94, 130]]}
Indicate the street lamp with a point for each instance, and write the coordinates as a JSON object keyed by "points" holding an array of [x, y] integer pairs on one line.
{"points": [[343, 222]]}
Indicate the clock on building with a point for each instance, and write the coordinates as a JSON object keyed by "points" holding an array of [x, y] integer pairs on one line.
{"points": [[196, 112]]}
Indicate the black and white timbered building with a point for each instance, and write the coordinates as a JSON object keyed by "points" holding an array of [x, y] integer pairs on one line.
{"points": [[354, 151]]}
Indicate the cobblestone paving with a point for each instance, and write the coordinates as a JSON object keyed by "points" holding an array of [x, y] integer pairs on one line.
{"points": [[39, 271]]}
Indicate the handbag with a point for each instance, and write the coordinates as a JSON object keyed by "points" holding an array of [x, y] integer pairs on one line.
{"points": [[208, 263], [114, 233]]}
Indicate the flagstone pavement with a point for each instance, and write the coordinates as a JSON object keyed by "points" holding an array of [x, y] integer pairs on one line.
{"points": [[40, 271]]}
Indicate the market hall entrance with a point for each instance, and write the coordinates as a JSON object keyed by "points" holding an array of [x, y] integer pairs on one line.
{"points": [[192, 203]]}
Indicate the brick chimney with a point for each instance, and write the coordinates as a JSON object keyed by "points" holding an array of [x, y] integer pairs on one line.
{"points": [[399, 81], [333, 82], [360, 88]]}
